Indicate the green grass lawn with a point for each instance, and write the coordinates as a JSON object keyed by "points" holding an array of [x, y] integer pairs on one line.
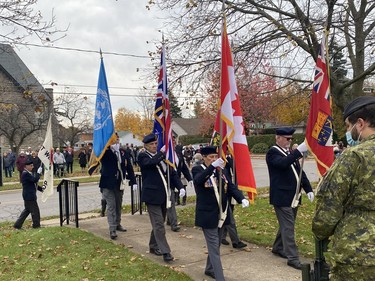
{"points": [[64, 253]]}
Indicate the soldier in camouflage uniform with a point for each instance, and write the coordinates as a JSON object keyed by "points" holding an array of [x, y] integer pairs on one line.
{"points": [[345, 206]]}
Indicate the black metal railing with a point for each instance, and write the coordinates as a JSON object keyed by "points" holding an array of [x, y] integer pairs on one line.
{"points": [[135, 195], [68, 201]]}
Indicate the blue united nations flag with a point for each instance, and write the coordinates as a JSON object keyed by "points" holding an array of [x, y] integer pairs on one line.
{"points": [[104, 130]]}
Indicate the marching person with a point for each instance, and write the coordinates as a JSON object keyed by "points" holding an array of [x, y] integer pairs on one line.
{"points": [[284, 171], [156, 193], [207, 212], [110, 181], [29, 188], [345, 200]]}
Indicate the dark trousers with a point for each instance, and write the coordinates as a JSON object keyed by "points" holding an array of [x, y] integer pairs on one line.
{"points": [[213, 263], [69, 167], [231, 228], [31, 207], [285, 242], [158, 239]]}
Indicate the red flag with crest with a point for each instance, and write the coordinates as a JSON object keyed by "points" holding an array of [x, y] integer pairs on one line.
{"points": [[319, 129]]}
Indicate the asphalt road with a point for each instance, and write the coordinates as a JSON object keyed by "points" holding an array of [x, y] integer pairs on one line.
{"points": [[89, 195]]}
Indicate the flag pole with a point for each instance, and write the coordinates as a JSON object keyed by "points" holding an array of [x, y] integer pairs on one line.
{"points": [[221, 123], [166, 140]]}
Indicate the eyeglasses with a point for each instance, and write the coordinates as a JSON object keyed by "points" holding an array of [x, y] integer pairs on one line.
{"points": [[288, 138]]}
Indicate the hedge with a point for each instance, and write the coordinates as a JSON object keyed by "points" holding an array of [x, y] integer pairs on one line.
{"points": [[269, 140]]}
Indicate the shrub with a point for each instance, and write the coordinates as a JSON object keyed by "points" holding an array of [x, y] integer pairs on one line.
{"points": [[260, 148]]}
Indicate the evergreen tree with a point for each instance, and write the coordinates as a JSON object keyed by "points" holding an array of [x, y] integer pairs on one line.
{"points": [[173, 105]]}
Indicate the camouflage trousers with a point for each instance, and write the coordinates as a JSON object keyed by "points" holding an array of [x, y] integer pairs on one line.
{"points": [[352, 273]]}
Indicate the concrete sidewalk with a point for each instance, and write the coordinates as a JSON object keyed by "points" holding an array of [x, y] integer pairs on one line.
{"points": [[189, 249]]}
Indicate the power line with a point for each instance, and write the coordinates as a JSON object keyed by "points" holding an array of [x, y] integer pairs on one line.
{"points": [[83, 50]]}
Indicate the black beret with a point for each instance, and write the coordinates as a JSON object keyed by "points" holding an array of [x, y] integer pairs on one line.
{"points": [[357, 104], [207, 150], [285, 131], [29, 162], [149, 138]]}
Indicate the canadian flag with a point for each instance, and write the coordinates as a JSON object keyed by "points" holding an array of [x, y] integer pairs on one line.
{"points": [[232, 124]]}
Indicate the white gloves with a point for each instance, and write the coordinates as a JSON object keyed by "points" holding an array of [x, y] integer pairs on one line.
{"points": [[135, 187], [302, 148], [39, 171], [191, 184], [182, 192], [311, 196], [245, 203], [218, 163], [162, 149]]}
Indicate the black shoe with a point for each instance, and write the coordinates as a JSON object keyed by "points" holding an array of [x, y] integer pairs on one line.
{"points": [[280, 254], [17, 227], [156, 252], [209, 273], [121, 228], [295, 264], [102, 214], [239, 245], [175, 228], [224, 242], [37, 226], [167, 257], [113, 234]]}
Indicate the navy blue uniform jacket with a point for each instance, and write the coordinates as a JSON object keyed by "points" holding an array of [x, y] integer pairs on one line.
{"points": [[283, 182], [29, 185], [110, 174], [207, 208], [153, 190]]}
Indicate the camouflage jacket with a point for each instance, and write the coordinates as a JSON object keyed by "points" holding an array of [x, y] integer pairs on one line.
{"points": [[345, 207]]}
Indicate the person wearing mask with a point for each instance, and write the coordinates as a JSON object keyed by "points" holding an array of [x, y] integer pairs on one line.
{"points": [[156, 193], [111, 177], [284, 170], [211, 210], [345, 199], [29, 188]]}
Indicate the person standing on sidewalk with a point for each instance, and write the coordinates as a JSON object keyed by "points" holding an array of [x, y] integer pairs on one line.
{"points": [[156, 193], [109, 184], [207, 211], [284, 170], [345, 200], [29, 188]]}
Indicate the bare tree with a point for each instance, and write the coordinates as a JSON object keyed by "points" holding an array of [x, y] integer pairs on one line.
{"points": [[146, 100], [25, 118], [73, 112], [20, 19], [285, 32]]}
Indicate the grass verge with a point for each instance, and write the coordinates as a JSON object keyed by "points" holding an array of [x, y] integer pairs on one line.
{"points": [[64, 253]]}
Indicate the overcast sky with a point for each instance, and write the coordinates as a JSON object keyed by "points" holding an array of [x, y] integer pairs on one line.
{"points": [[122, 26]]}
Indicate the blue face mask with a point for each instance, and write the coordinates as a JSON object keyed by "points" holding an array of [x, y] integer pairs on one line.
{"points": [[349, 138]]}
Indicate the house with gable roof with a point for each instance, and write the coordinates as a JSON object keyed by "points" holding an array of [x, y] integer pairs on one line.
{"points": [[25, 105]]}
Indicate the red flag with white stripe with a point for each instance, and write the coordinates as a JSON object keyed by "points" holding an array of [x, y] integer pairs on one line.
{"points": [[230, 115]]}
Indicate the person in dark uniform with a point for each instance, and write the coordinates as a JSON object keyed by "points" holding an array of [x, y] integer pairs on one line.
{"points": [[156, 193], [284, 171], [29, 188], [231, 228], [182, 169], [109, 184], [207, 211]]}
